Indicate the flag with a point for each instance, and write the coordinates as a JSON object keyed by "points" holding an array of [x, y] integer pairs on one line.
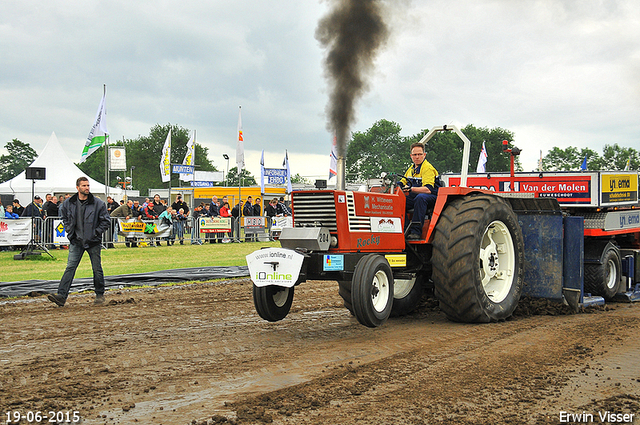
{"points": [[333, 165], [482, 160], [285, 164], [165, 161], [189, 157], [583, 167], [240, 146], [98, 132], [262, 173], [628, 166], [540, 161]]}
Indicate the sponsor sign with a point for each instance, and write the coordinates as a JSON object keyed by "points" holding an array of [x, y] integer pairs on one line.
{"points": [[15, 231], [333, 263], [214, 224], [183, 169], [275, 175], [619, 188], [117, 159], [386, 224], [254, 224], [372, 204], [143, 229], [200, 184], [59, 233], [396, 260], [618, 220], [275, 266]]}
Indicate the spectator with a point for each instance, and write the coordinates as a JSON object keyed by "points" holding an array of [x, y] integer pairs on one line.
{"points": [[50, 209], [17, 208], [247, 210], [235, 221], [257, 208], [180, 204], [85, 218], [111, 204], [136, 210], [151, 214], [283, 210], [195, 231], [226, 213], [146, 202], [166, 218], [8, 213], [178, 225], [2, 210], [61, 199], [214, 211], [158, 206], [34, 209], [123, 211]]}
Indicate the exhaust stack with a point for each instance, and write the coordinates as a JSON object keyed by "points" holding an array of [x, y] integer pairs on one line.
{"points": [[341, 177]]}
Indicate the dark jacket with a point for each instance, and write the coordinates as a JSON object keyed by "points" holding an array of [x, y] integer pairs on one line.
{"points": [[50, 209], [270, 210], [177, 205], [257, 209], [96, 220], [247, 210], [33, 210]]}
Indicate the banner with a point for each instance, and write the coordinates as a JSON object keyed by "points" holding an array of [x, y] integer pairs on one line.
{"points": [[254, 224], [117, 158], [98, 133], [189, 157], [240, 146], [165, 161], [59, 233], [482, 160], [285, 164], [144, 229], [275, 176], [15, 231], [214, 224]]}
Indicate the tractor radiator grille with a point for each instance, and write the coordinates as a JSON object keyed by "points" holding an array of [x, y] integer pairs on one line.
{"points": [[356, 224], [316, 209]]}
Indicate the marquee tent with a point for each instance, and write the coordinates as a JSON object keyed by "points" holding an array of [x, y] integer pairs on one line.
{"points": [[61, 174]]}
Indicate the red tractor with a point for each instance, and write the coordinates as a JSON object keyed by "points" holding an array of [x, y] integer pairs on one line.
{"points": [[471, 254]]}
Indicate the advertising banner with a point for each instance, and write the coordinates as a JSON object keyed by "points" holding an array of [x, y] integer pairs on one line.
{"points": [[254, 225], [144, 229], [15, 232], [214, 224], [59, 233]]}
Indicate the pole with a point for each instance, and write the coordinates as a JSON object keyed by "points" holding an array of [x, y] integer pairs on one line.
{"points": [[106, 155]]}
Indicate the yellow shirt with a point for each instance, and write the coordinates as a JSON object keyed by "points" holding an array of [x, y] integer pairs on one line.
{"points": [[421, 175]]}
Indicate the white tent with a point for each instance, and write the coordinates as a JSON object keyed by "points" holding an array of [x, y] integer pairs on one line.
{"points": [[61, 174]]}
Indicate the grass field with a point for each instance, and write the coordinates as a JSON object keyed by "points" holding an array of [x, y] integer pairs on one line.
{"points": [[123, 260]]}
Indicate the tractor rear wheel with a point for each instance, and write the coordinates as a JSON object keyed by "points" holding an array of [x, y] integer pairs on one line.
{"points": [[603, 279], [478, 259], [407, 294], [344, 290], [372, 290], [272, 302]]}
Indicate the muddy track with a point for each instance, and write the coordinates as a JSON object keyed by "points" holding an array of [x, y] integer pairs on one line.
{"points": [[200, 354]]}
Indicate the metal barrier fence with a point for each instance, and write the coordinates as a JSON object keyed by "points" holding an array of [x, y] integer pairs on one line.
{"points": [[50, 233]]}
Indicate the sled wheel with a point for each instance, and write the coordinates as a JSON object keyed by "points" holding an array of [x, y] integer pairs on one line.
{"points": [[407, 294], [478, 259], [345, 292], [372, 290], [603, 279], [272, 302]]}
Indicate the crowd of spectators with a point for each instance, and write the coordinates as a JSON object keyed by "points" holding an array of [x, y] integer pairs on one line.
{"points": [[176, 215]]}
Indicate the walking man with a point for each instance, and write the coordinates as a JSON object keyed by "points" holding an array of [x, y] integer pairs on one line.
{"points": [[85, 219]]}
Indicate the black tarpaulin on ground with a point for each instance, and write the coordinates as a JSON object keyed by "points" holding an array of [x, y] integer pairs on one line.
{"points": [[39, 287]]}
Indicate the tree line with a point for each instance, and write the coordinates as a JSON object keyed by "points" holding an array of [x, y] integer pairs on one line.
{"points": [[380, 148]]}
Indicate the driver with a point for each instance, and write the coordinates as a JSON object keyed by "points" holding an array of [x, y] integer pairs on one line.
{"points": [[419, 183]]}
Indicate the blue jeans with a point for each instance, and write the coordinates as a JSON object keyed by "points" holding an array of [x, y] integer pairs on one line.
{"points": [[420, 203], [75, 255]]}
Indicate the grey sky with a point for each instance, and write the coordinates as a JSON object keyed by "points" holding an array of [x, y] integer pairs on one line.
{"points": [[557, 73]]}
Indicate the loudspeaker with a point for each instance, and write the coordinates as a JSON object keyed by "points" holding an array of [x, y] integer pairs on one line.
{"points": [[36, 173]]}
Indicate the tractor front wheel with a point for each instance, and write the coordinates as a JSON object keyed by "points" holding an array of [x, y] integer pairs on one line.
{"points": [[372, 290], [272, 302], [478, 259]]}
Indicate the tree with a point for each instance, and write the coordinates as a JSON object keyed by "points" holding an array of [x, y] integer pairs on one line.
{"points": [[144, 153], [615, 157], [570, 159], [20, 156], [247, 178], [299, 179], [382, 148]]}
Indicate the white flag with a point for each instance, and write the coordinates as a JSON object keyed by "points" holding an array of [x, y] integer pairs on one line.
{"points": [[98, 132], [165, 162], [482, 160], [189, 157], [333, 165], [285, 164], [240, 146]]}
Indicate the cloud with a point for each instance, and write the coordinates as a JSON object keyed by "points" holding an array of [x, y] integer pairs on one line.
{"points": [[557, 73]]}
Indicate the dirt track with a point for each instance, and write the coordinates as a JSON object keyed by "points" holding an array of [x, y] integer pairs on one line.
{"points": [[200, 354]]}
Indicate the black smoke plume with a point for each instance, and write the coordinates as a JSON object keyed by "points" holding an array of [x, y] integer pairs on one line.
{"points": [[352, 32]]}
